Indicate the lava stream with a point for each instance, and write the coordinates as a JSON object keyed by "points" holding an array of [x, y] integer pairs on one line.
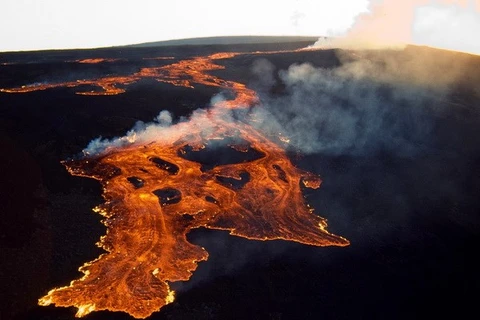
{"points": [[156, 191]]}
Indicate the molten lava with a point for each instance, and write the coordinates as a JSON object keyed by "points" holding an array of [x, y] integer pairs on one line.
{"points": [[95, 60], [184, 73], [158, 189]]}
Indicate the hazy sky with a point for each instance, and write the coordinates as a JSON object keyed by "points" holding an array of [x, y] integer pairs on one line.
{"points": [[55, 24], [39, 24]]}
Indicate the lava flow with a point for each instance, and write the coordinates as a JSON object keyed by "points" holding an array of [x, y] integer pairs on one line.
{"points": [[210, 171], [96, 60], [184, 73]]}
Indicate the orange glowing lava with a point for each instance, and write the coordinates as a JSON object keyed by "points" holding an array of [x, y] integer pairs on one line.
{"points": [[158, 189], [184, 73], [155, 195], [96, 60]]}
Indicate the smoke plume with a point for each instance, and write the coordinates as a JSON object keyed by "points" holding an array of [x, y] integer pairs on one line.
{"points": [[392, 131], [380, 100], [447, 24], [162, 129]]}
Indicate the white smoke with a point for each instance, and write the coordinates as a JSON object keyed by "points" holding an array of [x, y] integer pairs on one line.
{"points": [[160, 129], [447, 24], [164, 118], [374, 101]]}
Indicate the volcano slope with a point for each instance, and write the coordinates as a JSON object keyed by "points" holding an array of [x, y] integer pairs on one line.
{"points": [[392, 133]]}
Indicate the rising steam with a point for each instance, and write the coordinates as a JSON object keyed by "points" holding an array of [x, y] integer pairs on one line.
{"points": [[379, 100], [376, 100], [160, 129], [447, 24]]}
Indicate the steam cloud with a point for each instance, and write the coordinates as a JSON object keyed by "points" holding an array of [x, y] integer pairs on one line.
{"points": [[448, 24], [161, 129], [392, 132], [376, 102]]}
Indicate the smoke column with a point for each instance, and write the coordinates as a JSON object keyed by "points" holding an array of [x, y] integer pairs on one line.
{"points": [[447, 24]]}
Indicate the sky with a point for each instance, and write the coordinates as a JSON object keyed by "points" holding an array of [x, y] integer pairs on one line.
{"points": [[42, 24], [60, 24]]}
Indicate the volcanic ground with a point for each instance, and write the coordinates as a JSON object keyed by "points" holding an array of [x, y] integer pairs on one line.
{"points": [[393, 134]]}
